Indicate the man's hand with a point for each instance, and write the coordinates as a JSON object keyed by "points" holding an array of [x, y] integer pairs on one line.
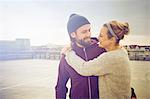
{"points": [[65, 49]]}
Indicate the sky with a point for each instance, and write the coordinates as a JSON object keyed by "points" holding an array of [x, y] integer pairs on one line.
{"points": [[44, 21]]}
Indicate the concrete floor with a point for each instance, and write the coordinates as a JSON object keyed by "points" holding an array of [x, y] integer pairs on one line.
{"points": [[36, 79]]}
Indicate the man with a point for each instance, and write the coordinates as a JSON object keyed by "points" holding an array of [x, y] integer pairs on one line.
{"points": [[87, 48]]}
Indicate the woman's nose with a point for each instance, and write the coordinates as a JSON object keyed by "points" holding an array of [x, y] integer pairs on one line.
{"points": [[98, 37]]}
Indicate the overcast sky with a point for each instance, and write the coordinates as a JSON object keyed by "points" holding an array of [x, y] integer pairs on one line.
{"points": [[44, 21]]}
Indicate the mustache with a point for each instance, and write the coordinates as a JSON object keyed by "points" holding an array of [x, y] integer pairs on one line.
{"points": [[87, 38]]}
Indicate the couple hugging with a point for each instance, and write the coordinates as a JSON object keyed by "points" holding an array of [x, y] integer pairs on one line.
{"points": [[98, 68]]}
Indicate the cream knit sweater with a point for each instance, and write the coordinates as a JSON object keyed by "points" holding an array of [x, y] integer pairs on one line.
{"points": [[112, 68]]}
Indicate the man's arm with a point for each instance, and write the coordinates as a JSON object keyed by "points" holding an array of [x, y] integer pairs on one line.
{"points": [[63, 77]]}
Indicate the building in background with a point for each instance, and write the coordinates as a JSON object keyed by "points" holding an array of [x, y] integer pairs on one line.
{"points": [[21, 49], [137, 52], [14, 46]]}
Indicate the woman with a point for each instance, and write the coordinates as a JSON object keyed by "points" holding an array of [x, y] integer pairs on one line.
{"points": [[112, 67]]}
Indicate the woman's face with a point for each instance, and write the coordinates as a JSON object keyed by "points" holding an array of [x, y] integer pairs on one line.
{"points": [[103, 38]]}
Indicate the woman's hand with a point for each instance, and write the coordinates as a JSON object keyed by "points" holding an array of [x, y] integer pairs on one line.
{"points": [[65, 49]]}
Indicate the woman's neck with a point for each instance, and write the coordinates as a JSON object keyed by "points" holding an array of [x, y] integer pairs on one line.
{"points": [[113, 47]]}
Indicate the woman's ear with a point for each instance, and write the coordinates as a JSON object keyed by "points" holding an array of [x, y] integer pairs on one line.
{"points": [[73, 35]]}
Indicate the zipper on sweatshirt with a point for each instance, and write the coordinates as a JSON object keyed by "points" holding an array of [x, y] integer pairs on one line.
{"points": [[89, 82]]}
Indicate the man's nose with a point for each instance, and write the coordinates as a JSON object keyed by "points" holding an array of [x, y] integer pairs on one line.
{"points": [[88, 34]]}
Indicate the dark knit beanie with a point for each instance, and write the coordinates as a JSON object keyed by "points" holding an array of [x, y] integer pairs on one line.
{"points": [[75, 21]]}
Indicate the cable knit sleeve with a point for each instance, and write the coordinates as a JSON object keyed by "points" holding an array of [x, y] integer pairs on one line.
{"points": [[97, 66]]}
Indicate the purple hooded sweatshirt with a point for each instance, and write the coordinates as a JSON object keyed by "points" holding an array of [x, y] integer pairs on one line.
{"points": [[82, 87]]}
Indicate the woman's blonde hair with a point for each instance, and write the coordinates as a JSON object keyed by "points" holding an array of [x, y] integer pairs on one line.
{"points": [[119, 29]]}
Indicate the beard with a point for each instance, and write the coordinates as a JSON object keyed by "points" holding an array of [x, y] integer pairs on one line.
{"points": [[83, 42]]}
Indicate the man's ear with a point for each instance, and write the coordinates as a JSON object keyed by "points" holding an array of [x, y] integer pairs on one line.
{"points": [[73, 35]]}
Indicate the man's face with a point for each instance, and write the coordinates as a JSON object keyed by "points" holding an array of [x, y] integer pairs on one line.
{"points": [[82, 35]]}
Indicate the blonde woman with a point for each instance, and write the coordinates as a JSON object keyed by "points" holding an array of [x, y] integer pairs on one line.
{"points": [[112, 67]]}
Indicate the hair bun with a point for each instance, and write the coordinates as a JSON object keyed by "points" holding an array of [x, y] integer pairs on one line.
{"points": [[126, 24], [126, 28]]}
